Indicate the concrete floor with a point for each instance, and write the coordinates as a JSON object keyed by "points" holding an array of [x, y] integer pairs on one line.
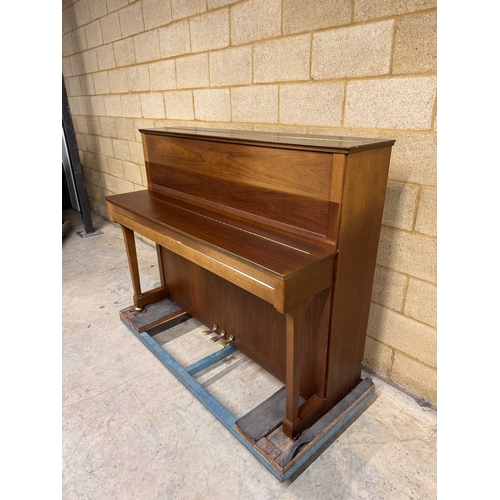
{"points": [[132, 431]]}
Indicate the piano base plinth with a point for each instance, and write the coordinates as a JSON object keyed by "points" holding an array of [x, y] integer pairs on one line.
{"points": [[259, 430]]}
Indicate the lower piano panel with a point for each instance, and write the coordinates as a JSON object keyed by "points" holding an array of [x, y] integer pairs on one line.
{"points": [[258, 328]]}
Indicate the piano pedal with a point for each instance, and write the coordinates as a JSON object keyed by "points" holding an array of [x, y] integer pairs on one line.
{"points": [[213, 330], [218, 337], [227, 341]]}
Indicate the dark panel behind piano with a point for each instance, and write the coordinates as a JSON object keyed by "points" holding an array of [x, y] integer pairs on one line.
{"points": [[259, 330]]}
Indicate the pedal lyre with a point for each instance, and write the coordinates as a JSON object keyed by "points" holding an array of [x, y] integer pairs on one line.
{"points": [[213, 330], [220, 336]]}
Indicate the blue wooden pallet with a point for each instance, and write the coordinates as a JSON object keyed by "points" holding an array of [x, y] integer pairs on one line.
{"points": [[226, 418]]}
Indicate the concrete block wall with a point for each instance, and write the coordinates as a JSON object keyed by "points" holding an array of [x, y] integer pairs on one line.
{"points": [[351, 67]]}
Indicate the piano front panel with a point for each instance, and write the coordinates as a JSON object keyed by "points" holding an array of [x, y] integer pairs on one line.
{"points": [[282, 185]]}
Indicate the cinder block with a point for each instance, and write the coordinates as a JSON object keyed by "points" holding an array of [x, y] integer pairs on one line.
{"points": [[138, 78], [136, 152], [79, 40], [106, 56], [142, 123], [179, 105], [74, 107], [421, 301], [131, 105], [192, 71], [116, 4], [113, 105], [108, 126], [355, 51], [89, 162], [162, 75], [89, 58], [231, 66], [115, 167], [124, 52], [156, 13], [101, 82], [132, 172], [118, 80], [93, 34], [389, 288], [110, 28], [68, 20], [105, 146], [97, 105], [97, 8], [87, 84], [210, 31], [77, 67], [174, 39], [255, 20], [282, 60], [414, 376], [101, 163], [378, 357], [311, 104], [400, 205], [409, 253], [84, 105], [212, 105], [79, 121], [92, 146], [81, 141], [257, 104], [94, 125], [82, 14], [368, 9], [153, 105], [74, 88], [147, 46], [213, 4], [116, 185], [121, 149], [396, 103], [403, 333], [413, 158], [125, 128], [308, 15], [427, 212], [67, 45], [415, 44], [185, 8], [66, 67], [131, 20]]}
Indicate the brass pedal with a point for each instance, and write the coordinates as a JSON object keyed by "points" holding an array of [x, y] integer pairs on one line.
{"points": [[213, 330], [227, 341], [220, 336]]}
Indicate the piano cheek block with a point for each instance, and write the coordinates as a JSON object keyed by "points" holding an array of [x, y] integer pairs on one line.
{"points": [[274, 236]]}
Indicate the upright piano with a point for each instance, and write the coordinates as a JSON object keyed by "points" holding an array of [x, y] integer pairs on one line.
{"points": [[273, 238]]}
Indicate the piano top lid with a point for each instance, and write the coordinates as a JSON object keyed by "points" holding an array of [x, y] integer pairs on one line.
{"points": [[336, 144]]}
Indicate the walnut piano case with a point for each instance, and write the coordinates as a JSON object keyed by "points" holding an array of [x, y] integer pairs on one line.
{"points": [[273, 237]]}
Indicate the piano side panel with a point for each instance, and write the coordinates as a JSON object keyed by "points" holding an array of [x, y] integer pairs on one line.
{"points": [[289, 186], [259, 330]]}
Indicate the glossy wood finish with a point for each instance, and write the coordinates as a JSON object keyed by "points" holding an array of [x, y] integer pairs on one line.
{"points": [[282, 140], [274, 238], [362, 206]]}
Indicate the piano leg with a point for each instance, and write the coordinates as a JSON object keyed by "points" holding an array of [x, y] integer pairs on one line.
{"points": [[295, 322], [151, 296]]}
